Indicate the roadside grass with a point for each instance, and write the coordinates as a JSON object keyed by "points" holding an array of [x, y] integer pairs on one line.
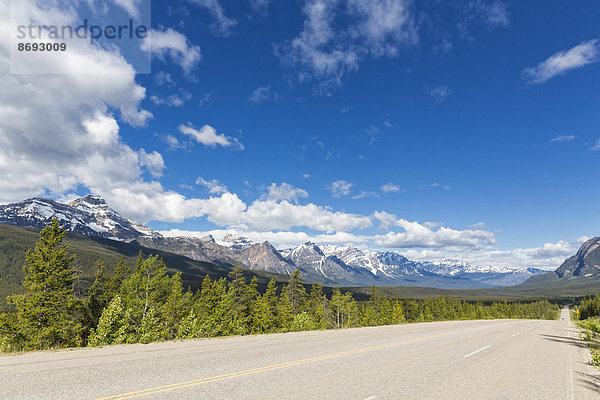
{"points": [[590, 332]]}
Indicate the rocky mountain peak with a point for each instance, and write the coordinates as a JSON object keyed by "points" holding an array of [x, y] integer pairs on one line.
{"points": [[88, 215], [585, 263]]}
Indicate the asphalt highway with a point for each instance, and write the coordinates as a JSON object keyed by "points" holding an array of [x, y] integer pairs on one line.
{"points": [[488, 359]]}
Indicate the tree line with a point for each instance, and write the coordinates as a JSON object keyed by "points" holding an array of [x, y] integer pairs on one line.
{"points": [[144, 304], [590, 308]]}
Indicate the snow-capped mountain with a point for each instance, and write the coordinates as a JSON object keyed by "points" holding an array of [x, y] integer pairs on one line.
{"points": [[332, 265], [316, 265], [89, 215], [393, 267]]}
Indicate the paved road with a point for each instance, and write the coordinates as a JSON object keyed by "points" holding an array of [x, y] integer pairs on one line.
{"points": [[494, 359]]}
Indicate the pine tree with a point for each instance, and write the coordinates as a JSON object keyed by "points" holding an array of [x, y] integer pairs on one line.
{"points": [[295, 292], [241, 298], [113, 285], [95, 302], [46, 312], [265, 310], [176, 307], [317, 306]]}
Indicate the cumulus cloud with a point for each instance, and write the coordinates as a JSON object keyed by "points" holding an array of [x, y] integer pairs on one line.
{"points": [[208, 136], [213, 186], [223, 25], [596, 146], [340, 188], [268, 214], [337, 35], [549, 256], [153, 162], [564, 61], [285, 191], [418, 235], [386, 220], [61, 131], [174, 45]]}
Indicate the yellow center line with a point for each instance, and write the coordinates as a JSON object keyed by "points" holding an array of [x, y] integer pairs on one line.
{"points": [[158, 389]]}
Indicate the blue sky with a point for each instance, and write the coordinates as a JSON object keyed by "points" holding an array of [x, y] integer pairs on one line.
{"points": [[463, 129]]}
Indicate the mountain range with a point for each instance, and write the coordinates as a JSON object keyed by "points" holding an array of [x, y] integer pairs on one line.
{"points": [[329, 264]]}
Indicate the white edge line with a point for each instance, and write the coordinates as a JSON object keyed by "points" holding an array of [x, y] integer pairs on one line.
{"points": [[477, 351], [515, 334], [371, 398]]}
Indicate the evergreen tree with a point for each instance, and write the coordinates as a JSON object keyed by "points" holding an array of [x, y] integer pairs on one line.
{"points": [[95, 302], [113, 285], [241, 298], [265, 310], [317, 306], [176, 307], [295, 292], [46, 312], [113, 325]]}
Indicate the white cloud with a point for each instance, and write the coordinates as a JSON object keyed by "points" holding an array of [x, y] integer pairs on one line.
{"points": [[340, 188], [207, 135], [493, 13], [153, 162], [175, 100], [391, 188], [439, 93], [285, 191], [174, 143], [418, 235], [385, 219], [368, 27], [364, 194], [164, 78], [223, 25], [62, 131], [262, 94], [439, 185], [175, 45], [563, 61], [478, 225], [562, 138], [213, 186], [131, 6], [596, 146], [260, 6], [268, 214], [549, 256]]}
